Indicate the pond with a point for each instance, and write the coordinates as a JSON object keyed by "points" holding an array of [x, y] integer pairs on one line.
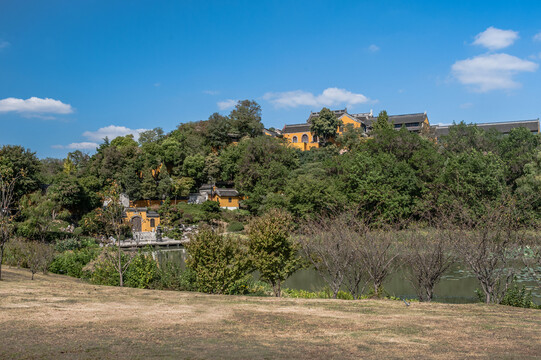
{"points": [[456, 286]]}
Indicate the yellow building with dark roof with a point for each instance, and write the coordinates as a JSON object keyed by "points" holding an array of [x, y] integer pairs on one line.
{"points": [[300, 136]]}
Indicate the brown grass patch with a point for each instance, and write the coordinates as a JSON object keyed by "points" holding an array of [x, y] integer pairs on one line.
{"points": [[57, 317]]}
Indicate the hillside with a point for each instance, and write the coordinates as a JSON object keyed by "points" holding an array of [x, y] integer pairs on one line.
{"points": [[63, 318]]}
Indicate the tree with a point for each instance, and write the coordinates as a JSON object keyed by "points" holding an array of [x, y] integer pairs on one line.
{"points": [[21, 161], [218, 131], [217, 261], [325, 125], [333, 245], [151, 136], [529, 187], [486, 244], [382, 123], [428, 256], [39, 213], [378, 255], [38, 256], [246, 119], [8, 182], [271, 249], [111, 215]]}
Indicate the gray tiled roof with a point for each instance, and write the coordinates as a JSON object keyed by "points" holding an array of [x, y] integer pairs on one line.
{"points": [[272, 133], [407, 118], [227, 192], [503, 127], [338, 113], [288, 129]]}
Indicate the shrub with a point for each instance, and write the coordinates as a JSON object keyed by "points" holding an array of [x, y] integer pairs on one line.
{"points": [[142, 271], [271, 249], [235, 226], [72, 262], [218, 262], [171, 276], [14, 253], [518, 297]]}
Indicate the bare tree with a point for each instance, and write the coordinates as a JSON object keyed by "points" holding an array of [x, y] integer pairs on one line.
{"points": [[332, 245], [487, 245], [112, 217], [378, 256], [428, 255], [8, 180]]}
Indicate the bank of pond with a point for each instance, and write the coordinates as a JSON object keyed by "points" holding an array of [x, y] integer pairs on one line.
{"points": [[457, 286], [166, 270]]}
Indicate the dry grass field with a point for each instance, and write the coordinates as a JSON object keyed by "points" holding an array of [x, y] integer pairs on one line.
{"points": [[57, 317]]}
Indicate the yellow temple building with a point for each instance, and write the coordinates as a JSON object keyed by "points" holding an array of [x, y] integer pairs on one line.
{"points": [[300, 136]]}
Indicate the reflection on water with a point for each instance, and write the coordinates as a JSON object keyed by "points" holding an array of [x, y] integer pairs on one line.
{"points": [[456, 286]]}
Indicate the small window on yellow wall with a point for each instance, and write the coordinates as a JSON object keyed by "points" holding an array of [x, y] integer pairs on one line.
{"points": [[304, 138], [230, 200], [152, 223], [294, 139], [314, 139]]}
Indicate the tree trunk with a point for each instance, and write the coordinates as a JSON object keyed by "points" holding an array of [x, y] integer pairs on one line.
{"points": [[120, 263], [278, 289], [1, 259]]}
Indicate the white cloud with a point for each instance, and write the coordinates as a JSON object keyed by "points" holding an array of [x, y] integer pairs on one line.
{"points": [[537, 37], [4, 44], [226, 104], [329, 97], [491, 71], [111, 132], [34, 105], [494, 39], [373, 48], [78, 146]]}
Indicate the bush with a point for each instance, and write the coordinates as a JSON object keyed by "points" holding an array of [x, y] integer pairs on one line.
{"points": [[72, 262], [171, 276], [218, 262], [74, 243], [518, 297], [142, 271], [14, 253], [235, 226]]}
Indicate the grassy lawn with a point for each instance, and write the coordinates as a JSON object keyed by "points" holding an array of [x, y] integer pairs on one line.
{"points": [[57, 317]]}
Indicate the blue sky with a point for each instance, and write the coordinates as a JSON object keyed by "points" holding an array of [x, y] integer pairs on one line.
{"points": [[72, 72]]}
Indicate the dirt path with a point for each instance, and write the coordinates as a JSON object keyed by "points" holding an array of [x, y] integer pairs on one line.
{"points": [[57, 317]]}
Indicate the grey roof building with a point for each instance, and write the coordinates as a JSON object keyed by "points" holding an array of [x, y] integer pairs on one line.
{"points": [[503, 127]]}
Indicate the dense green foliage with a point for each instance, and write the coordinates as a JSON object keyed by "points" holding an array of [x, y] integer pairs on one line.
{"points": [[220, 264], [272, 251]]}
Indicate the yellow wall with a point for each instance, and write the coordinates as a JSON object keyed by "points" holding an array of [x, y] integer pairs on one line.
{"points": [[347, 120], [307, 146], [299, 144], [224, 201], [145, 221]]}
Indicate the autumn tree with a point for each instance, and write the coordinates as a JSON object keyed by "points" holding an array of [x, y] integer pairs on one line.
{"points": [[271, 249]]}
